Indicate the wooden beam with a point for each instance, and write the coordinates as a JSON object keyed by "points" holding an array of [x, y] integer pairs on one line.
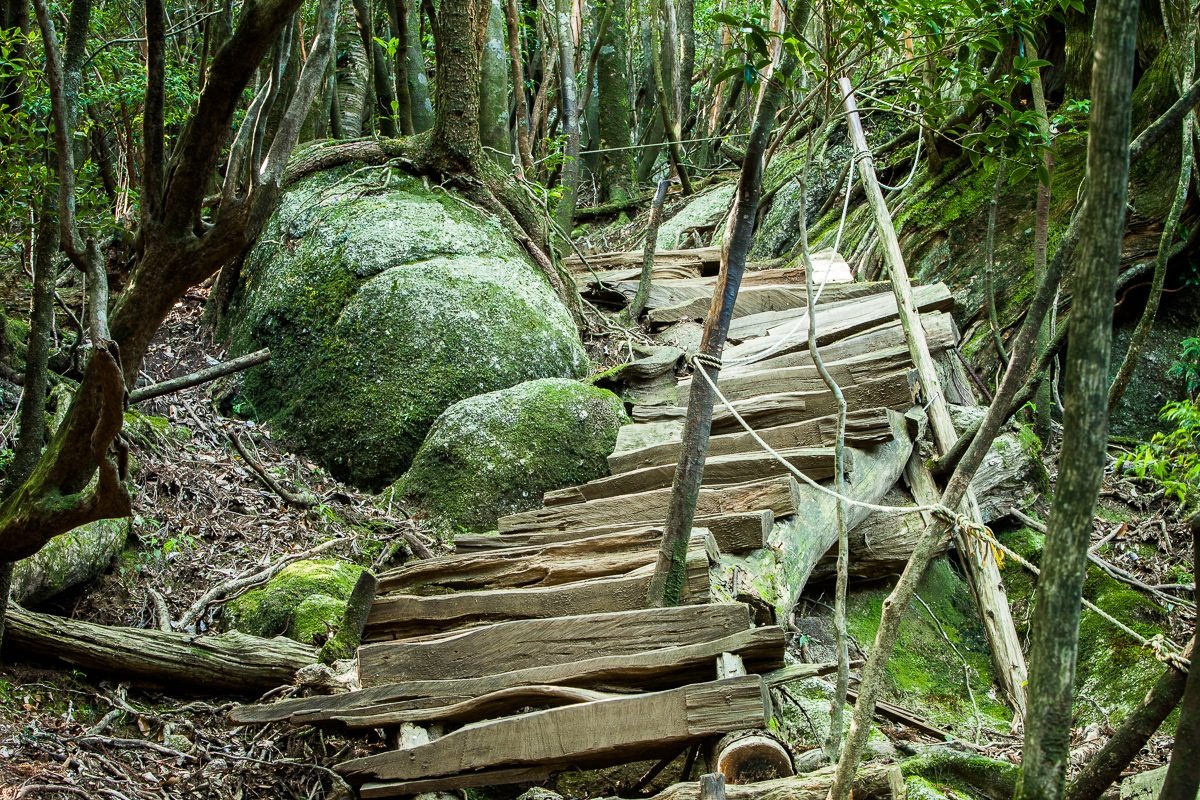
{"points": [[659, 444], [651, 507], [815, 462], [589, 734], [404, 616]]}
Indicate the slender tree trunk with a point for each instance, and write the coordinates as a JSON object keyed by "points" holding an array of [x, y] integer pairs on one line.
{"points": [[685, 13], [493, 88], [418, 80], [638, 304], [667, 108], [398, 17], [564, 212], [517, 62], [1054, 636], [1183, 773], [382, 93], [1041, 232], [462, 30], [668, 579]]}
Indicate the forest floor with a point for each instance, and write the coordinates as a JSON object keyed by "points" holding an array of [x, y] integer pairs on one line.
{"points": [[203, 517]]}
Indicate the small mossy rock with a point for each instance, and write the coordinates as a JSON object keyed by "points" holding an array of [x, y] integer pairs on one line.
{"points": [[941, 772], [497, 453], [704, 212], [383, 303], [305, 601], [69, 560], [1113, 672], [1145, 785], [925, 672]]}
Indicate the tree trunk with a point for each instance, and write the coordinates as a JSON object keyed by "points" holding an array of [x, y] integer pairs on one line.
{"points": [[462, 30], [564, 212], [612, 78], [418, 80], [1054, 635], [1183, 773], [493, 88], [517, 61], [380, 116]]}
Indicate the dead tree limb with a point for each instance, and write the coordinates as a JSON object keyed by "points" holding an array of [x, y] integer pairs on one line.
{"points": [[200, 376]]}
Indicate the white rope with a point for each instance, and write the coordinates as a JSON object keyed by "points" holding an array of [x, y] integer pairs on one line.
{"points": [[1164, 649]]}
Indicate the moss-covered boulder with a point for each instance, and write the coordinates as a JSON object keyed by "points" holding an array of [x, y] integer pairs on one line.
{"points": [[383, 303], [496, 454], [702, 214], [69, 560], [305, 601]]}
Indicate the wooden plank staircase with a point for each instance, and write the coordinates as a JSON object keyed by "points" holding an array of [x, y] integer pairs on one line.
{"points": [[534, 651]]}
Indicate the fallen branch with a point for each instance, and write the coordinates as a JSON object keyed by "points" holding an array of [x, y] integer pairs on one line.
{"points": [[301, 500], [200, 376]]}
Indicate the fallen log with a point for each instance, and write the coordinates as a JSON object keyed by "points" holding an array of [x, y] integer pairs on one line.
{"points": [[800, 542], [404, 616], [226, 662], [815, 462], [871, 781], [774, 495], [588, 734], [657, 443], [851, 318], [940, 331], [733, 533], [783, 408]]}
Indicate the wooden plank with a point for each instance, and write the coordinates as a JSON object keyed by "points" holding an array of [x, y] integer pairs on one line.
{"points": [[769, 410], [472, 709], [761, 649], [439, 786], [850, 318], [733, 533], [540, 564], [402, 616], [815, 462], [562, 651], [751, 299], [633, 258], [773, 494], [939, 327], [863, 429], [847, 372], [589, 734]]}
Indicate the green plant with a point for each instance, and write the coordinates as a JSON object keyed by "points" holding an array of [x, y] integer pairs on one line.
{"points": [[1171, 459], [1187, 366]]}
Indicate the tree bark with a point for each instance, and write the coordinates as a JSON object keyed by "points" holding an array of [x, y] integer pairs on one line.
{"points": [[1183, 773], [612, 77], [1055, 626], [564, 212], [517, 62], [462, 30], [669, 572]]}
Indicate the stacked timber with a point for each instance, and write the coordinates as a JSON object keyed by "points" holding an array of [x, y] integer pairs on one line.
{"points": [[532, 650]]}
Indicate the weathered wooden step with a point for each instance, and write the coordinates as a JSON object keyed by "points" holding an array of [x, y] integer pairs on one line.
{"points": [[940, 333], [845, 320], [657, 443], [402, 616], [733, 533], [750, 300], [657, 667], [846, 372], [542, 564], [815, 462], [784, 408], [584, 735], [651, 507], [709, 257]]}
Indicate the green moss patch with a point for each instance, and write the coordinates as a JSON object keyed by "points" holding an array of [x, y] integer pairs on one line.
{"points": [[925, 672], [497, 453], [305, 601]]}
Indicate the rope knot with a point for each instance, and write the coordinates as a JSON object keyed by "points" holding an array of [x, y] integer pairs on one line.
{"points": [[705, 359]]}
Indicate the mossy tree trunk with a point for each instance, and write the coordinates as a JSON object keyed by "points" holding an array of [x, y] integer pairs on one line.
{"points": [[493, 86], [616, 165], [1054, 637]]}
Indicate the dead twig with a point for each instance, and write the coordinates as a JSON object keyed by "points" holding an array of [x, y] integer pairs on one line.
{"points": [[301, 500]]}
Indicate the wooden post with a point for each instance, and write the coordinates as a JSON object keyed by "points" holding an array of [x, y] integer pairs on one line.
{"points": [[982, 572], [712, 786]]}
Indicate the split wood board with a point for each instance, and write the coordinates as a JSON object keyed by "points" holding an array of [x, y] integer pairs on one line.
{"points": [[815, 462], [658, 443], [840, 321], [846, 372], [633, 258], [447, 786], [673, 303], [733, 533], [761, 649], [940, 332], [561, 650], [774, 495], [402, 616], [769, 410], [543, 564], [588, 734]]}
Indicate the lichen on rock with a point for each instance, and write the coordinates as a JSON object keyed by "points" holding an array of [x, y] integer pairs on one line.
{"points": [[305, 601], [383, 303], [703, 212], [497, 453]]}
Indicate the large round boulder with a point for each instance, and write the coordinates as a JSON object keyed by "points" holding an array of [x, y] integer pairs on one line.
{"points": [[497, 453], [384, 302]]}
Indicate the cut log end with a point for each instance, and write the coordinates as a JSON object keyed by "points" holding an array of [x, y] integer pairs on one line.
{"points": [[750, 757]]}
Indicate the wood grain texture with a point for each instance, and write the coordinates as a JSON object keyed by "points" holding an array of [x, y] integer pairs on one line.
{"points": [[588, 734]]}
